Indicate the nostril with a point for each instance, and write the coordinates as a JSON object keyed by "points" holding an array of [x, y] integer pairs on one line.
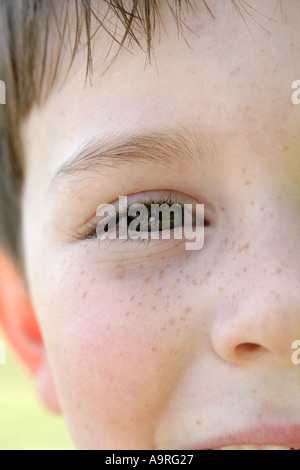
{"points": [[249, 350]]}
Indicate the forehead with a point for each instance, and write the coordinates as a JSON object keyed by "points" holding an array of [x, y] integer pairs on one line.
{"points": [[227, 75]]}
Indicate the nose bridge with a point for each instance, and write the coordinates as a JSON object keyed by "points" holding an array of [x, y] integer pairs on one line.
{"points": [[263, 312]]}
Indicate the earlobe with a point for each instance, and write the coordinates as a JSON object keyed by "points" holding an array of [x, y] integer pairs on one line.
{"points": [[45, 386], [19, 323]]}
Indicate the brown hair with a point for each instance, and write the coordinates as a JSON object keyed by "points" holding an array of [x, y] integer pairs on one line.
{"points": [[25, 27]]}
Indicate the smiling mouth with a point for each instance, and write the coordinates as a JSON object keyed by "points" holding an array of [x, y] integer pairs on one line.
{"points": [[263, 437], [257, 447]]}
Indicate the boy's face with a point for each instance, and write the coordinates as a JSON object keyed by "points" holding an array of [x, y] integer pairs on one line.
{"points": [[153, 346]]}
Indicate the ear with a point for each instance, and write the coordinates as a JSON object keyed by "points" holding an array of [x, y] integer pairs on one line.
{"points": [[19, 323]]}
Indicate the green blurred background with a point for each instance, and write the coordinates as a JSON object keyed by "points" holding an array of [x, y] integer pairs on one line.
{"points": [[25, 424]]}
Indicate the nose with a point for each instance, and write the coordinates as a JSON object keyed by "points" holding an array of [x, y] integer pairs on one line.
{"points": [[259, 326], [264, 320]]}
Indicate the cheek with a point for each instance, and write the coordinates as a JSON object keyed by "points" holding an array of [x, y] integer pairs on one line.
{"points": [[118, 344]]}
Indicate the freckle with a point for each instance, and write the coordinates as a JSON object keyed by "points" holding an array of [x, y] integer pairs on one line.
{"points": [[141, 266], [93, 280], [120, 276], [187, 309], [171, 321], [276, 295], [140, 303], [153, 308], [221, 288], [120, 266], [163, 329], [147, 279], [182, 319], [262, 208], [286, 148], [243, 247], [245, 270], [222, 209], [187, 276], [272, 215], [132, 298], [208, 274], [178, 280], [226, 241], [247, 183], [179, 296], [180, 272], [84, 295], [86, 426], [158, 291], [82, 272], [194, 282], [153, 349], [248, 108], [252, 203], [127, 314], [278, 270], [198, 422]]}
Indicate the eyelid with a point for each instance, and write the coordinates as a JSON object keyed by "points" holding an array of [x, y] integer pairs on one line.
{"points": [[144, 198]]}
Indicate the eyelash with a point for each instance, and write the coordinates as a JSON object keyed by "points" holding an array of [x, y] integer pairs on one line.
{"points": [[91, 235]]}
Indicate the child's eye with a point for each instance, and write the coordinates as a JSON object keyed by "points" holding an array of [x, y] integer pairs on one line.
{"points": [[153, 220], [144, 218]]}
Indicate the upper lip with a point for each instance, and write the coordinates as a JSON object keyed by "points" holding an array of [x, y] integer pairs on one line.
{"points": [[280, 435]]}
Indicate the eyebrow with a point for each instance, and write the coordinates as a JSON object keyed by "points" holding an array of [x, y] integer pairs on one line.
{"points": [[166, 147]]}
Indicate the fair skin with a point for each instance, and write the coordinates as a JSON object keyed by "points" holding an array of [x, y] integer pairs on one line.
{"points": [[155, 347]]}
